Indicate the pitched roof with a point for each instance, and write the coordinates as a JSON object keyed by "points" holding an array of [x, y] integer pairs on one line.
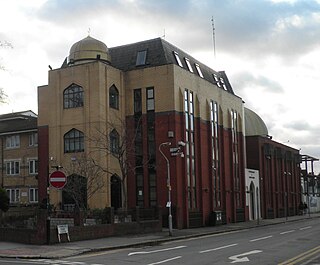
{"points": [[18, 122], [160, 52]]}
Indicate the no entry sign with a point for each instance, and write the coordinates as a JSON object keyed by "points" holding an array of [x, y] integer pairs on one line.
{"points": [[58, 179]]}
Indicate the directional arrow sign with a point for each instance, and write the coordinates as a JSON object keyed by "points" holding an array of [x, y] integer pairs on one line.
{"points": [[243, 257]]}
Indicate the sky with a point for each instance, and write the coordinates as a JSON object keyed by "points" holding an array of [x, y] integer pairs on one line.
{"points": [[269, 49]]}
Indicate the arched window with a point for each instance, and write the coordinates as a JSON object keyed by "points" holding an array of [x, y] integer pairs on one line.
{"points": [[73, 97], [73, 141], [114, 141], [114, 97]]}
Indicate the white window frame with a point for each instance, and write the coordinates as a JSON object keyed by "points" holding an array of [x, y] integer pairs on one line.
{"points": [[13, 141], [33, 195], [14, 195], [176, 55], [12, 167], [33, 166], [33, 139], [198, 70]]}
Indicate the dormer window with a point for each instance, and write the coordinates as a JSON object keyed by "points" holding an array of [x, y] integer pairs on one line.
{"points": [[188, 64], [176, 55], [141, 58], [198, 70]]}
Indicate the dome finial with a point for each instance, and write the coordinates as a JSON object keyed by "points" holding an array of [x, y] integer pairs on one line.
{"points": [[89, 31]]}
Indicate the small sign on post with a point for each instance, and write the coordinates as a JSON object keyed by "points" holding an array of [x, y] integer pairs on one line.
{"points": [[63, 229]]}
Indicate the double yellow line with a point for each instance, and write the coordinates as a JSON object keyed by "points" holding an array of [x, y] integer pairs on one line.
{"points": [[301, 257]]}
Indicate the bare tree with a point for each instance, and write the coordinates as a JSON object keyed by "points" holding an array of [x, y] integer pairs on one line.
{"points": [[85, 179], [119, 142]]}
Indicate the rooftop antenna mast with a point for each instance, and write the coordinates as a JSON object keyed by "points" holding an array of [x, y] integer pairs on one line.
{"points": [[213, 37]]}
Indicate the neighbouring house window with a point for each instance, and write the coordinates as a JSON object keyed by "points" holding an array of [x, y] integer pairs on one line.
{"points": [[33, 166], [141, 58], [33, 139], [12, 167], [73, 97], [114, 141], [176, 56], [73, 141], [33, 195], [14, 195], [114, 97], [13, 141]]}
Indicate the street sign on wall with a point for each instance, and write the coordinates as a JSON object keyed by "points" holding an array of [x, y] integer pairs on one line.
{"points": [[57, 179]]}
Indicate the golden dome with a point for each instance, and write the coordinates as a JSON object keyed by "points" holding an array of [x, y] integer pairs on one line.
{"points": [[88, 49]]}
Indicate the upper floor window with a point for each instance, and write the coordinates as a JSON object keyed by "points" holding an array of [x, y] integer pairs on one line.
{"points": [[198, 70], [14, 195], [73, 141], [114, 97], [13, 141], [188, 64], [12, 167], [141, 58], [114, 142], [137, 101], [150, 98], [176, 55], [33, 139], [73, 97], [33, 195], [33, 166]]}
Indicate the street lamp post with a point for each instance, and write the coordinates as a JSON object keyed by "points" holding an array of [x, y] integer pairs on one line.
{"points": [[169, 187], [176, 151]]}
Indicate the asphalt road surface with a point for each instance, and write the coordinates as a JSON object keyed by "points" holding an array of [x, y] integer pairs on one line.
{"points": [[284, 244]]}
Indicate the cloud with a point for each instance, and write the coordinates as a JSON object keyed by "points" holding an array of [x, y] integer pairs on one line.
{"points": [[244, 81]]}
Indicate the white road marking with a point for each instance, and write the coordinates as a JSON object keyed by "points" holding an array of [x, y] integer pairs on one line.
{"points": [[155, 251], [239, 258], [287, 232], [166, 260], [304, 228], [261, 238], [218, 248]]}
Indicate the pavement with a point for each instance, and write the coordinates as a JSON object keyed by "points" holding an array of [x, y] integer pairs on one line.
{"points": [[67, 249]]}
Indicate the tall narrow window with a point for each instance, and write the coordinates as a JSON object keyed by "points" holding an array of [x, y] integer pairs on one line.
{"points": [[141, 58], [215, 153], [190, 148], [235, 155], [33, 195], [138, 144], [73, 141], [114, 97], [73, 97], [114, 141], [151, 147], [150, 99]]}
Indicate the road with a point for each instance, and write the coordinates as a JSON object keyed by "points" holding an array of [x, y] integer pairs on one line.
{"points": [[289, 243]]}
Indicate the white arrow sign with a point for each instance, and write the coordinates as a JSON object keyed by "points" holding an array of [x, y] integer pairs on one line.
{"points": [[243, 257]]}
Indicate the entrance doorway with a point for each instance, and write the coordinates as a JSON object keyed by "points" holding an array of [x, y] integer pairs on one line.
{"points": [[116, 197]]}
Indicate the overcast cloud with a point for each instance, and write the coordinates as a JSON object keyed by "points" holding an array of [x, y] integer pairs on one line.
{"points": [[268, 48]]}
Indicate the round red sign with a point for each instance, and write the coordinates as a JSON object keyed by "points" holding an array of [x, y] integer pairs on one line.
{"points": [[58, 179]]}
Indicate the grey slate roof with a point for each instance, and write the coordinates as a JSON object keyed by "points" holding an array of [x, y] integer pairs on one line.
{"points": [[160, 52], [18, 122]]}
